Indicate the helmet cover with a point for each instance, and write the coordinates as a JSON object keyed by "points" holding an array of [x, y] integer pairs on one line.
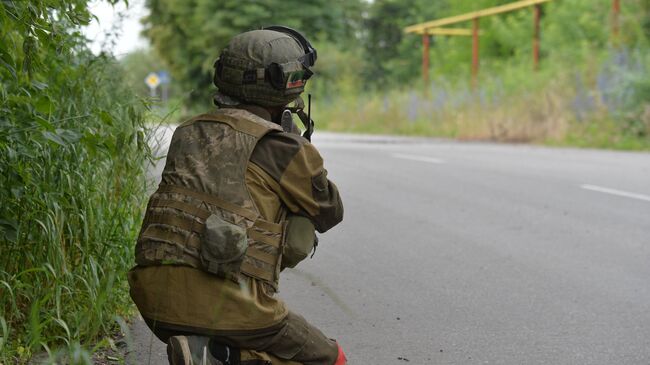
{"points": [[262, 67]]}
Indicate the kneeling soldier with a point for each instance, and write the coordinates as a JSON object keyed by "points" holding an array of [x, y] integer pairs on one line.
{"points": [[240, 199]]}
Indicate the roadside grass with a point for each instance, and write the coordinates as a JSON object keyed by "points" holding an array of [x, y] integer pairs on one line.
{"points": [[606, 105], [69, 222], [63, 275], [73, 153]]}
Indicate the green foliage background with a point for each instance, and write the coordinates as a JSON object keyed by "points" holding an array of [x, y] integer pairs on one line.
{"points": [[592, 88], [73, 147], [189, 34], [73, 131]]}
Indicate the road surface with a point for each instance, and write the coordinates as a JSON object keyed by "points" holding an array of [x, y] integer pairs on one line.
{"points": [[477, 253]]}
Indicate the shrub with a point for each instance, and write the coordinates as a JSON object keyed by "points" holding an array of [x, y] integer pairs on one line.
{"points": [[73, 147]]}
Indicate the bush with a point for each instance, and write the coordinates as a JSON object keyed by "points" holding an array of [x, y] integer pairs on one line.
{"points": [[591, 90], [73, 147], [605, 106]]}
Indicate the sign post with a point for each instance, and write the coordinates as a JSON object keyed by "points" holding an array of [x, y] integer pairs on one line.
{"points": [[164, 81], [425, 59]]}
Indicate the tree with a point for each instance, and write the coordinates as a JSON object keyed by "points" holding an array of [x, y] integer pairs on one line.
{"points": [[394, 57], [72, 172], [189, 34]]}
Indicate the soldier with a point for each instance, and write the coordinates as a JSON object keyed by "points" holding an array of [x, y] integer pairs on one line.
{"points": [[240, 200]]}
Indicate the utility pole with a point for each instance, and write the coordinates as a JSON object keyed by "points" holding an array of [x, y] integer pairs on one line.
{"points": [[616, 25], [475, 52], [425, 58], [537, 14]]}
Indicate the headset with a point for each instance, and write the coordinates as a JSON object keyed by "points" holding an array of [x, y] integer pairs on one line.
{"points": [[281, 79], [309, 59], [284, 76]]}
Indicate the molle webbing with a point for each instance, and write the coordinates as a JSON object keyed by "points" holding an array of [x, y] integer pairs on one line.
{"points": [[211, 199], [261, 232]]}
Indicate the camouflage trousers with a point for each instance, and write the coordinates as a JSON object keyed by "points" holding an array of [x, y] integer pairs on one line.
{"points": [[293, 341]]}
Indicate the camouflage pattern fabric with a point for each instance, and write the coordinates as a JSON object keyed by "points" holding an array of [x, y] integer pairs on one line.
{"points": [[299, 179], [256, 50], [187, 298]]}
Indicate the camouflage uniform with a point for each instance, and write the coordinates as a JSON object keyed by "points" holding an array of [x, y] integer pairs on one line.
{"points": [[182, 287]]}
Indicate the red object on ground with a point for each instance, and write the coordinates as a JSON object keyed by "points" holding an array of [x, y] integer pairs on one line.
{"points": [[341, 359]]}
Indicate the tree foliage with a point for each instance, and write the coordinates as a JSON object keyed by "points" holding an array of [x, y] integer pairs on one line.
{"points": [[393, 56], [572, 32], [592, 87], [189, 34]]}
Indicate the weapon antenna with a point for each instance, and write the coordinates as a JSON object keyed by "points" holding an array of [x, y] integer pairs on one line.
{"points": [[311, 122]]}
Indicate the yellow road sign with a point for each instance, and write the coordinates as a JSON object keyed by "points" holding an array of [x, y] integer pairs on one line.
{"points": [[152, 80]]}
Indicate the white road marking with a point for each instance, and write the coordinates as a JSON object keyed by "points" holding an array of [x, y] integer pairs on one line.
{"points": [[418, 158], [622, 193]]}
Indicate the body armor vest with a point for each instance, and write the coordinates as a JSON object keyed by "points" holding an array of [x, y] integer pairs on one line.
{"points": [[202, 214]]}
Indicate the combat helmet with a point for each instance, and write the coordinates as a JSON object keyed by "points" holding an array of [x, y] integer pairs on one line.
{"points": [[267, 67]]}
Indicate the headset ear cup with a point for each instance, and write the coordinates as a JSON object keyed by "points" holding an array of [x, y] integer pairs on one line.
{"points": [[308, 74], [276, 76], [219, 67], [218, 70]]}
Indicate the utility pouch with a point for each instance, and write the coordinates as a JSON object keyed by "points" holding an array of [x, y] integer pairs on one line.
{"points": [[300, 238], [223, 246]]}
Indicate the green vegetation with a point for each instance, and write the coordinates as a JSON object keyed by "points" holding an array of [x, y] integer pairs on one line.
{"points": [[73, 137], [592, 89], [73, 147], [190, 34]]}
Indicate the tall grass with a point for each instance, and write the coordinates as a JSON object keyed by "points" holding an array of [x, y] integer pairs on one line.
{"points": [[73, 146]]}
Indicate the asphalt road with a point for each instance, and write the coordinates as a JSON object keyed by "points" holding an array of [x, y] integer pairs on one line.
{"points": [[476, 253]]}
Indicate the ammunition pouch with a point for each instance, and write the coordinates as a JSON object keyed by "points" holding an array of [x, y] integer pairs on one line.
{"points": [[223, 245], [199, 235], [300, 240]]}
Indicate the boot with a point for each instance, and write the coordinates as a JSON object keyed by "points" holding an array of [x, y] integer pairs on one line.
{"points": [[199, 350]]}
